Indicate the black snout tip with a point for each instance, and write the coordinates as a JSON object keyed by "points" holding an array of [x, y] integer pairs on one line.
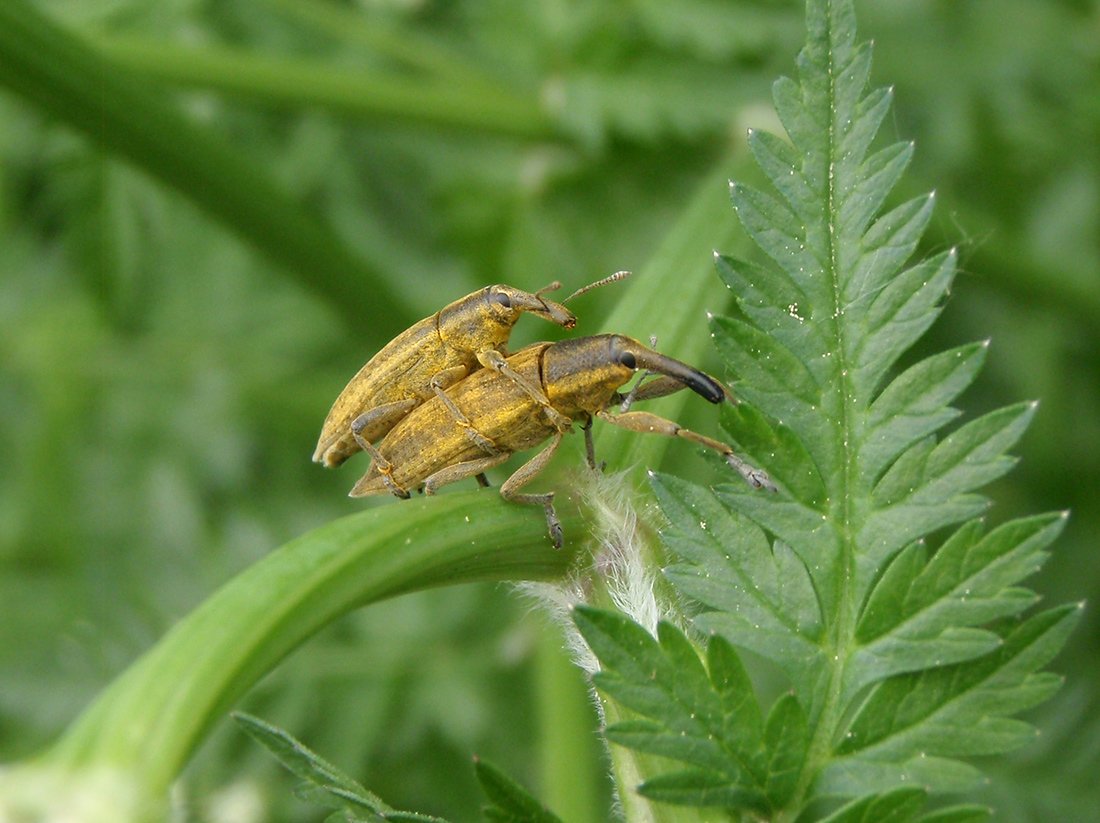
{"points": [[707, 387]]}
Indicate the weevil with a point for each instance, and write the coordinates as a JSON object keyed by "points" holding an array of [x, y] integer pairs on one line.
{"points": [[431, 355], [580, 377]]}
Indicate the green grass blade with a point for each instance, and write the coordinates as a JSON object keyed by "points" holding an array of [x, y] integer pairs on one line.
{"points": [[63, 77]]}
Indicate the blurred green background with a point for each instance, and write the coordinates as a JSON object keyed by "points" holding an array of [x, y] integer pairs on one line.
{"points": [[179, 305]]}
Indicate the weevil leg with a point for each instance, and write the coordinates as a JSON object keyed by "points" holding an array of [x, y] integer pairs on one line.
{"points": [[492, 359], [590, 447], [509, 490], [646, 423], [385, 471], [482, 480], [476, 437], [460, 471], [369, 426], [373, 424]]}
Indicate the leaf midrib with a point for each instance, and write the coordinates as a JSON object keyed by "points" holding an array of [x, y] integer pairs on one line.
{"points": [[839, 640]]}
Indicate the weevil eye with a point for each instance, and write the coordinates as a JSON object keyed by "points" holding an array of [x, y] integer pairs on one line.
{"points": [[501, 298], [627, 359]]}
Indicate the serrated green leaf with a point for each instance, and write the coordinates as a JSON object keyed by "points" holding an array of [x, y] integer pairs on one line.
{"points": [[918, 615], [761, 600], [958, 814], [915, 404], [789, 463], [786, 737], [706, 719], [694, 787], [881, 172], [896, 651], [899, 314], [511, 802], [926, 488], [779, 161], [898, 806], [889, 242], [917, 724], [323, 783]]}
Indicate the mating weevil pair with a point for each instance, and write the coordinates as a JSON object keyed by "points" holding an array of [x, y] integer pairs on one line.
{"points": [[438, 419]]}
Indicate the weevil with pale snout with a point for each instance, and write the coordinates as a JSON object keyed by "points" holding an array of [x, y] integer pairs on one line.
{"points": [[437, 352], [496, 418]]}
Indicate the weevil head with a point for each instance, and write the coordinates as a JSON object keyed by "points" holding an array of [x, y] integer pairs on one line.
{"points": [[583, 374], [699, 382], [507, 303]]}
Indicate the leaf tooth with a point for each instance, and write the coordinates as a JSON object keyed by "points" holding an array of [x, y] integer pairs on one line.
{"points": [[888, 243], [781, 164], [877, 178], [866, 121]]}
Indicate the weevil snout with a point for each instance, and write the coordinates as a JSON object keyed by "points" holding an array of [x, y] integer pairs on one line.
{"points": [[508, 303], [634, 355]]}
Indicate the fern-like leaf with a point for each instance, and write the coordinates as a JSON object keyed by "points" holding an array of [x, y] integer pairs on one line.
{"points": [[703, 716], [905, 646], [323, 783], [509, 802]]}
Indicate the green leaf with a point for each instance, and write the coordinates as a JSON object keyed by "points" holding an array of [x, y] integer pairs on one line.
{"points": [[705, 717], [62, 76], [918, 615], [917, 724], [786, 738], [323, 783], [905, 648], [760, 597], [510, 801], [898, 806]]}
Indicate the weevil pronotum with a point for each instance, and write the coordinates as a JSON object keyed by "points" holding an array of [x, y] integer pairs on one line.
{"points": [[580, 377], [432, 354]]}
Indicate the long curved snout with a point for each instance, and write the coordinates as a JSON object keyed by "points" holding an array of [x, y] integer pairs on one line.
{"points": [[699, 382]]}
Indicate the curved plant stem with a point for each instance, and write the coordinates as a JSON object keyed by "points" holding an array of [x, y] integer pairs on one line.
{"points": [[148, 722]]}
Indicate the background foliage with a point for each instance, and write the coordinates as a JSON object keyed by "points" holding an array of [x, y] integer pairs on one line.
{"points": [[166, 362]]}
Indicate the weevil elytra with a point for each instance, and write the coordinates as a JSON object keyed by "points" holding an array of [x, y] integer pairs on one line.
{"points": [[580, 377], [432, 354]]}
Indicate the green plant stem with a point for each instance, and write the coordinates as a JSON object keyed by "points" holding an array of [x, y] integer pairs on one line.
{"points": [[148, 722], [402, 44], [60, 75], [570, 763], [295, 82]]}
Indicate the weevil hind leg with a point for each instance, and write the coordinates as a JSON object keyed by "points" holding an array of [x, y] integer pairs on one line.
{"points": [[646, 423], [460, 471], [509, 490], [385, 472]]}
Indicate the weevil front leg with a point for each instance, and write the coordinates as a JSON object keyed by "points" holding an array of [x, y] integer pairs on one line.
{"points": [[646, 423], [492, 359], [590, 447], [509, 490]]}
